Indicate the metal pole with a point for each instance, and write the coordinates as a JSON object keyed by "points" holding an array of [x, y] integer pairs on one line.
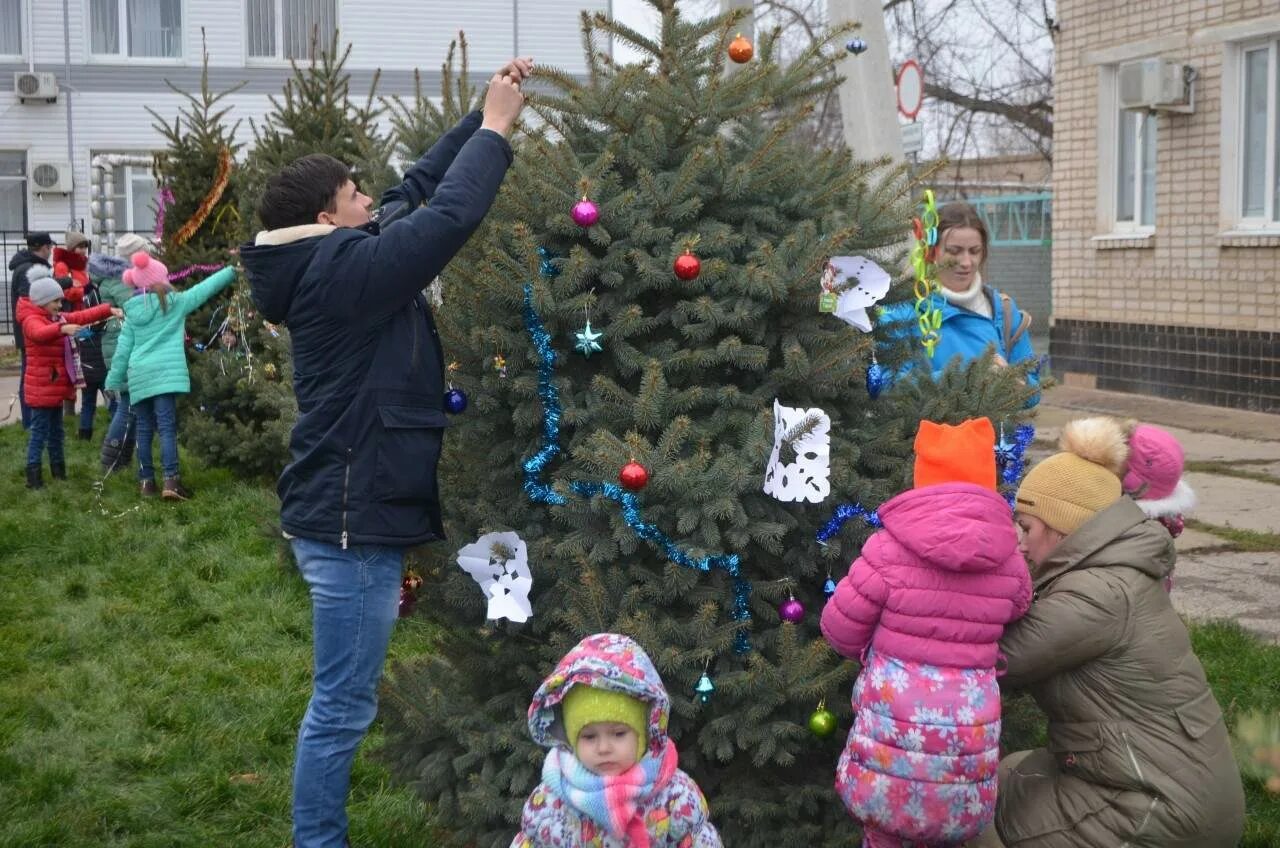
{"points": [[71, 149], [31, 41], [868, 101]]}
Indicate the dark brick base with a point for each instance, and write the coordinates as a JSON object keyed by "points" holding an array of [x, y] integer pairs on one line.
{"points": [[1221, 367]]}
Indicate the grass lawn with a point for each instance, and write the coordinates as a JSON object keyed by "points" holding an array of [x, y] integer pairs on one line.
{"points": [[154, 667], [155, 661]]}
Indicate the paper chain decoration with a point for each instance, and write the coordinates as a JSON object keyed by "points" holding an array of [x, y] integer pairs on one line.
{"points": [[540, 492], [923, 257], [1010, 458]]}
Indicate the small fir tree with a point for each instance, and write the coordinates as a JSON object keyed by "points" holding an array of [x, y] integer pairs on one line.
{"points": [[238, 412], [678, 155]]}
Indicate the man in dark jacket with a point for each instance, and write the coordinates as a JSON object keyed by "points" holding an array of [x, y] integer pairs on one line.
{"points": [[368, 374], [39, 248]]}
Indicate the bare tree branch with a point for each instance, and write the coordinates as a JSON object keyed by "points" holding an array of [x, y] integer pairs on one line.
{"points": [[1031, 116]]}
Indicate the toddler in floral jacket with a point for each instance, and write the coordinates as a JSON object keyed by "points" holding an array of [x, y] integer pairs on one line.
{"points": [[611, 777], [923, 608]]}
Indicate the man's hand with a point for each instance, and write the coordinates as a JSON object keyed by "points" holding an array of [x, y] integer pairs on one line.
{"points": [[502, 104], [70, 329], [519, 68], [117, 312]]}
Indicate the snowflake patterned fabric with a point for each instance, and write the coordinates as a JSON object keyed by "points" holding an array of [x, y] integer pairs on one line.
{"points": [[919, 767]]}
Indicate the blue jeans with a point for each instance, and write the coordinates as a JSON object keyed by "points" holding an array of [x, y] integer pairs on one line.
{"points": [[121, 427], [46, 430], [157, 413], [22, 394], [355, 599]]}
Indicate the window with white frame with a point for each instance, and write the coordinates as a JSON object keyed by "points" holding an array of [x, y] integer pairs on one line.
{"points": [[134, 199], [13, 191], [148, 29], [10, 27], [1135, 206], [1259, 174], [285, 29]]}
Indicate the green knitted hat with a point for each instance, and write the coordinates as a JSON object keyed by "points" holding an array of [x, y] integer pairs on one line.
{"points": [[584, 705]]}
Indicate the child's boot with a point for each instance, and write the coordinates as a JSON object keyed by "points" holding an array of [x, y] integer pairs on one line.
{"points": [[148, 488], [111, 450], [34, 478], [58, 470], [173, 490]]}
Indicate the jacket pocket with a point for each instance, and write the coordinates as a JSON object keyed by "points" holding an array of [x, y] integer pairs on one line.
{"points": [[408, 450], [1199, 715]]}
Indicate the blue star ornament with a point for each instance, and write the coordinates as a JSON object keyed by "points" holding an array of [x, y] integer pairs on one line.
{"points": [[588, 341]]}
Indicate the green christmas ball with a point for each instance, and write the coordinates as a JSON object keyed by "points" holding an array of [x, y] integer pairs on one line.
{"points": [[822, 723]]}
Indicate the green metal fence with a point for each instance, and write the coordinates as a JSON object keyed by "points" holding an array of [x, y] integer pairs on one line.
{"points": [[1016, 220]]}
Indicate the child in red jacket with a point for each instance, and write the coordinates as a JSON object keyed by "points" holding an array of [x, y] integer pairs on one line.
{"points": [[52, 367]]}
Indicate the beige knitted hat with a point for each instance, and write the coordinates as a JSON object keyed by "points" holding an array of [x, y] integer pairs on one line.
{"points": [[1067, 489]]}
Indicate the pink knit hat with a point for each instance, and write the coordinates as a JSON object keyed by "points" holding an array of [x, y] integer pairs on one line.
{"points": [[147, 273], [1155, 463]]}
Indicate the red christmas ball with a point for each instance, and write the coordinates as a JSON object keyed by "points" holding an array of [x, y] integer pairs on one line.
{"points": [[740, 50], [633, 476], [688, 266]]}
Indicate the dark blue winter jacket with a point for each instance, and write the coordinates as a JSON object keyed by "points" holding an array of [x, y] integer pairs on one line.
{"points": [[368, 367]]}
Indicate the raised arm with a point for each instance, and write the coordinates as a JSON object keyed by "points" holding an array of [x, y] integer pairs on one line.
{"points": [[420, 181], [385, 272], [193, 298]]}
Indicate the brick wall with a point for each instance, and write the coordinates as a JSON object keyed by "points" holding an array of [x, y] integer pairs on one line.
{"points": [[1187, 277]]}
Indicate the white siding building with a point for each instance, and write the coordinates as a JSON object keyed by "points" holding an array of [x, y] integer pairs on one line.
{"points": [[111, 60]]}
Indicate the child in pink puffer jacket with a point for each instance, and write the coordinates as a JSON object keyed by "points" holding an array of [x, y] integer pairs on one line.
{"points": [[923, 608]]}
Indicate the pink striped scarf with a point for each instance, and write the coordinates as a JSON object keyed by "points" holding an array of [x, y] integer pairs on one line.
{"points": [[617, 803]]}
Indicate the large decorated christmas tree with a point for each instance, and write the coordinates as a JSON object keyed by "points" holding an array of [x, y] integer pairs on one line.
{"points": [[655, 387]]}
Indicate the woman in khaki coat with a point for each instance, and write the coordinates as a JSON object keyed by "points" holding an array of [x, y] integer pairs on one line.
{"points": [[1138, 753]]}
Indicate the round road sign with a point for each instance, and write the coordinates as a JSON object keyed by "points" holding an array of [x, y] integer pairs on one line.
{"points": [[910, 87]]}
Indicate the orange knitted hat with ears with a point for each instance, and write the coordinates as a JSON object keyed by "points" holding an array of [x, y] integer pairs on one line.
{"points": [[961, 453]]}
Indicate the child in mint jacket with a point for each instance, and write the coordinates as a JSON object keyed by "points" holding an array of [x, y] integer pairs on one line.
{"points": [[151, 359]]}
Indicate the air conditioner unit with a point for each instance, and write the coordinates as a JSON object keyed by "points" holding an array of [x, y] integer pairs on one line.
{"points": [[31, 86], [50, 177], [1157, 85]]}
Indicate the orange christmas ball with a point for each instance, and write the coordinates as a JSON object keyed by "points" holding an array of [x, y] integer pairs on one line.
{"points": [[633, 476], [740, 50], [687, 266]]}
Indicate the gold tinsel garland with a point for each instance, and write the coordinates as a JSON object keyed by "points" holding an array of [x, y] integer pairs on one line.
{"points": [[210, 200]]}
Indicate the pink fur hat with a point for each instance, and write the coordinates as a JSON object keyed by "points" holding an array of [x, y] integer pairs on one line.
{"points": [[147, 273], [1155, 463]]}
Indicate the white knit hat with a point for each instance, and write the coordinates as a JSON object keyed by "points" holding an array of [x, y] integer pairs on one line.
{"points": [[130, 243]]}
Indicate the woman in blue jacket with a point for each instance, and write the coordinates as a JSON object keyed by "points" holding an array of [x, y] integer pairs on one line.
{"points": [[975, 316]]}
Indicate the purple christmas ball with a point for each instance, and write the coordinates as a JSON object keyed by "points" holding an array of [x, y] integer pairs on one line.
{"points": [[585, 213], [791, 610]]}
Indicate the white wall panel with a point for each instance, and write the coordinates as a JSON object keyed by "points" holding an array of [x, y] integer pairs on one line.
{"points": [[551, 31], [416, 33]]}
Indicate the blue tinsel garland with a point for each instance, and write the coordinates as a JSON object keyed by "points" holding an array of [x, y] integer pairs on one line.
{"points": [[540, 492]]}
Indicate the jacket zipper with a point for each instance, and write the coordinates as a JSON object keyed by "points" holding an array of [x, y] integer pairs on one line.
{"points": [[346, 484], [1137, 770]]}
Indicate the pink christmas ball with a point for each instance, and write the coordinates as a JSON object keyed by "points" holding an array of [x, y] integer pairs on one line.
{"points": [[791, 610], [585, 213]]}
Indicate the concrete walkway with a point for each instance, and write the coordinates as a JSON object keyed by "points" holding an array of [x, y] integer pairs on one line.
{"points": [[1233, 461]]}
